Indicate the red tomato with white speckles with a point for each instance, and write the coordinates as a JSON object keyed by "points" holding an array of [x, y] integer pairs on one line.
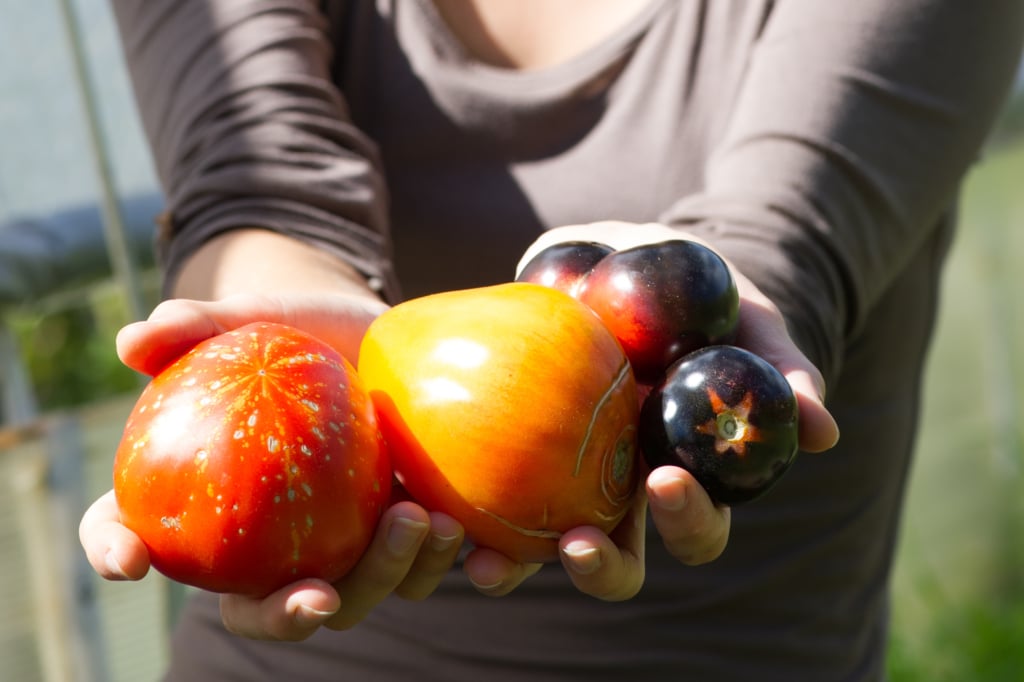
{"points": [[253, 461]]}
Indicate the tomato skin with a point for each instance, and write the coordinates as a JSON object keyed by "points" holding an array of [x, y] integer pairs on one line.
{"points": [[663, 301], [565, 265], [727, 416], [510, 408], [253, 461]]}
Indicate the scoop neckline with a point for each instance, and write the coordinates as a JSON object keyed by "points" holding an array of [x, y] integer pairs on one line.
{"points": [[594, 59]]}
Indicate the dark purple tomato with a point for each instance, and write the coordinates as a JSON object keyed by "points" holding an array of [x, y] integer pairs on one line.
{"points": [[563, 266], [663, 301], [725, 415]]}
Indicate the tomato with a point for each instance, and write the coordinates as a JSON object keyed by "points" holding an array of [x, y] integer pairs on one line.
{"points": [[253, 461], [727, 416], [663, 301], [511, 408], [565, 265]]}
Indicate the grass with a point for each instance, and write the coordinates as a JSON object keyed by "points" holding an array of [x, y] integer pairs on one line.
{"points": [[958, 589]]}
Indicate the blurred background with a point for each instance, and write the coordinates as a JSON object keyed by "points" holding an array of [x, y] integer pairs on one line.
{"points": [[73, 165]]}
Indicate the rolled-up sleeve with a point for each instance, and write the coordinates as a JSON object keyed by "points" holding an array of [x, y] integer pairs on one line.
{"points": [[248, 130], [856, 123]]}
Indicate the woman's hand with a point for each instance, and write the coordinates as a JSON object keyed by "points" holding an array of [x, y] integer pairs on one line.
{"points": [[693, 528], [412, 549], [410, 553]]}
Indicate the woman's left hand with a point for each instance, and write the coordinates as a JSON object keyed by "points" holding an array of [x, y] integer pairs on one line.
{"points": [[693, 528]]}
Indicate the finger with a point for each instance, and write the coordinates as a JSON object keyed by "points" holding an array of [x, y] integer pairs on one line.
{"points": [[694, 530], [616, 234], [175, 326], [291, 614], [763, 331], [609, 567], [494, 574], [114, 552], [435, 558], [385, 565]]}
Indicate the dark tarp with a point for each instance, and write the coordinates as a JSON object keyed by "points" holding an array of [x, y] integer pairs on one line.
{"points": [[46, 254]]}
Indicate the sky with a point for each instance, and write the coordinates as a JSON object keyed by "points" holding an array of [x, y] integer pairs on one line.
{"points": [[45, 160]]}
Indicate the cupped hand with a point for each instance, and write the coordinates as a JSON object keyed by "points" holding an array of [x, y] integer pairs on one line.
{"points": [[412, 548], [692, 527], [409, 554], [176, 325], [761, 330]]}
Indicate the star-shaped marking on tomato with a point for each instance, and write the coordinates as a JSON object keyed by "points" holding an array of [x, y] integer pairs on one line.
{"points": [[730, 427]]}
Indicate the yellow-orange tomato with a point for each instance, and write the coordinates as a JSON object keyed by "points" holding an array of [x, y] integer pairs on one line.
{"points": [[511, 408]]}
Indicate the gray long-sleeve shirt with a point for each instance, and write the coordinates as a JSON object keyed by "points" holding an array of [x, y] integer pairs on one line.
{"points": [[819, 145]]}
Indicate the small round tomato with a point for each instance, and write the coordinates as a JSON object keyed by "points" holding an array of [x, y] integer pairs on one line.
{"points": [[663, 301], [511, 408], [727, 416], [564, 266], [253, 461]]}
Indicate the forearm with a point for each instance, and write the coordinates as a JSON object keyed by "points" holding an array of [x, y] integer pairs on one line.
{"points": [[247, 129], [263, 262], [827, 185]]}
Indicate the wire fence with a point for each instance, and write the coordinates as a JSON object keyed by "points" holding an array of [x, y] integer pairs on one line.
{"points": [[61, 622]]}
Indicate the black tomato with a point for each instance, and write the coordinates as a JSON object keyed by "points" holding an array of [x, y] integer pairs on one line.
{"points": [[563, 266], [725, 415], [663, 301]]}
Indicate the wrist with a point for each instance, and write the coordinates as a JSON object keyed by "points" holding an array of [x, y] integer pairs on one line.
{"points": [[258, 261]]}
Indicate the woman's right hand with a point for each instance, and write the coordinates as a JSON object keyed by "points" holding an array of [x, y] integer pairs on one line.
{"points": [[412, 548], [410, 553]]}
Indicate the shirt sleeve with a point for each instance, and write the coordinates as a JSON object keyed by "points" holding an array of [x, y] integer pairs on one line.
{"points": [[248, 130], [854, 127]]}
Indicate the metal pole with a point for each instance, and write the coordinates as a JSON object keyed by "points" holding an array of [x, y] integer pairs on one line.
{"points": [[125, 272]]}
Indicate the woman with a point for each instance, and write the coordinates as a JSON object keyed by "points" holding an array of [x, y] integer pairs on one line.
{"points": [[323, 160]]}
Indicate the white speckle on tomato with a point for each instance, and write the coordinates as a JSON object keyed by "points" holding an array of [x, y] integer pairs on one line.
{"points": [[215, 385], [239, 434], [273, 444], [251, 421], [171, 522], [304, 449], [307, 489], [310, 405]]}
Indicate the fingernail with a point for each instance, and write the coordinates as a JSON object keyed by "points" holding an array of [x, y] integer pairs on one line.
{"points": [[582, 558], [669, 494], [440, 543], [485, 588], [308, 617], [114, 566], [405, 534]]}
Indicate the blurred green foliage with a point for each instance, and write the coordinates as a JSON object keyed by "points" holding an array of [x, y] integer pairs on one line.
{"points": [[68, 348], [958, 588]]}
